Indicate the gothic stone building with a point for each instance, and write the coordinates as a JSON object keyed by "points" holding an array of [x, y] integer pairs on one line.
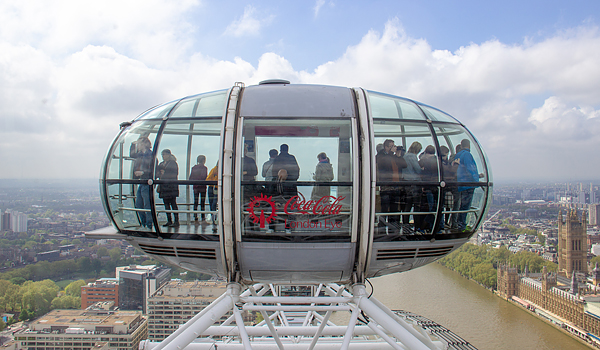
{"points": [[544, 293], [572, 243]]}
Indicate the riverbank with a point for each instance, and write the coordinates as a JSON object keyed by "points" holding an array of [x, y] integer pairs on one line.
{"points": [[474, 313], [587, 342], [494, 292]]}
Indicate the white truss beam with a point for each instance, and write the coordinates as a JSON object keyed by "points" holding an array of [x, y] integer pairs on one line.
{"points": [[381, 328]]}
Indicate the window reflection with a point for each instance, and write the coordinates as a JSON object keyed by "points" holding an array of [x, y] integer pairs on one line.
{"points": [[391, 107]]}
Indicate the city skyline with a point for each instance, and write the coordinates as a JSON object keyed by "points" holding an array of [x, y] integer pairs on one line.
{"points": [[522, 77]]}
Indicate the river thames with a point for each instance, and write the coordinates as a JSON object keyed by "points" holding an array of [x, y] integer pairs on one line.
{"points": [[471, 311]]}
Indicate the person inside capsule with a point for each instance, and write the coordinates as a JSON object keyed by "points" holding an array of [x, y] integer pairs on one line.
{"points": [[199, 172], [169, 170], [142, 155]]}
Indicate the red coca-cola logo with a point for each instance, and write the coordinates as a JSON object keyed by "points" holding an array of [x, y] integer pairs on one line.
{"points": [[326, 205]]}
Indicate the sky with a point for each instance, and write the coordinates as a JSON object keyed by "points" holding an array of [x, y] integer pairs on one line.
{"points": [[523, 76]]}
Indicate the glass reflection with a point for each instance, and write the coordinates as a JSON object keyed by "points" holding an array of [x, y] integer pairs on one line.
{"points": [[392, 107]]}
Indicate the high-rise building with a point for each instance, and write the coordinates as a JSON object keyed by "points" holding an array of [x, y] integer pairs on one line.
{"points": [[6, 221], [177, 302], [137, 283], [105, 289], [14, 221], [581, 197], [85, 330], [19, 222], [572, 243], [594, 214]]}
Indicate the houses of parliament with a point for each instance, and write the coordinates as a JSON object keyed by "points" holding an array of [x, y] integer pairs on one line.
{"points": [[568, 298]]}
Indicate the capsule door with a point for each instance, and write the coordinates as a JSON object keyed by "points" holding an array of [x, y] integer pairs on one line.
{"points": [[295, 198]]}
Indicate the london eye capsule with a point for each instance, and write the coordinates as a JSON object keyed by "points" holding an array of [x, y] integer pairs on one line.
{"points": [[290, 183]]}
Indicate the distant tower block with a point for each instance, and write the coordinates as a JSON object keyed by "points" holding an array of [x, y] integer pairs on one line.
{"points": [[594, 214], [572, 243], [596, 275]]}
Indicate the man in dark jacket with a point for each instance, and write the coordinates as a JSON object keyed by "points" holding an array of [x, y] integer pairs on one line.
{"points": [[287, 162], [389, 169], [199, 172]]}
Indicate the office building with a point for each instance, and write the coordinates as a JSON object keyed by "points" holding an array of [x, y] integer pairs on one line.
{"points": [[137, 283], [594, 214], [177, 302], [85, 330], [103, 290], [13, 221]]}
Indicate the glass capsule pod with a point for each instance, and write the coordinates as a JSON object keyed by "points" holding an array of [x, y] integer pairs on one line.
{"points": [[283, 183]]}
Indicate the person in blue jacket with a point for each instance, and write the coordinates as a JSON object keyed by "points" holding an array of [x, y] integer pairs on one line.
{"points": [[466, 172]]}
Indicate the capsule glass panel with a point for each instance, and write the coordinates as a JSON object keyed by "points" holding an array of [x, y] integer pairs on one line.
{"points": [[208, 105], [407, 194], [450, 138], [130, 168], [463, 167], [436, 114], [304, 191], [386, 106], [128, 147], [191, 128], [187, 150], [158, 112]]}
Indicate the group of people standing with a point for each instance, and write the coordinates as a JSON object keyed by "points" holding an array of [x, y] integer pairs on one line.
{"points": [[168, 169], [395, 165], [281, 172], [200, 172], [282, 169]]}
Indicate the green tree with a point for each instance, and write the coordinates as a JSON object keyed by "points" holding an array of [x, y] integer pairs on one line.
{"points": [[37, 296], [115, 254], [30, 245], [17, 280], [84, 264], [66, 302], [102, 251], [74, 288], [24, 316]]}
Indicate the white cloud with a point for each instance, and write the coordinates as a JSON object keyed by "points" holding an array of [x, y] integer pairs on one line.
{"points": [[153, 31], [249, 24], [319, 5], [317, 8], [559, 121], [66, 86]]}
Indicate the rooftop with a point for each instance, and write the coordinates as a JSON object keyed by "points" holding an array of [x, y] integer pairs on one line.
{"points": [[191, 290], [120, 321]]}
